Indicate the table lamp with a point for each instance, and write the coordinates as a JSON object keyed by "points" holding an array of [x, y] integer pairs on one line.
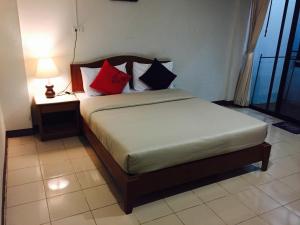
{"points": [[46, 68]]}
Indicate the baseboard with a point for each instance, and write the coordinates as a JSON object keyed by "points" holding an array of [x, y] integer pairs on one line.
{"points": [[20, 133], [4, 182], [228, 103], [224, 103]]}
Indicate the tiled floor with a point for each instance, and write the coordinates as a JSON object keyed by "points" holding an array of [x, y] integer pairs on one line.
{"points": [[62, 182]]}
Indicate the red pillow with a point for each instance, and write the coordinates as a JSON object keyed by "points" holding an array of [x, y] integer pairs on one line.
{"points": [[110, 80]]}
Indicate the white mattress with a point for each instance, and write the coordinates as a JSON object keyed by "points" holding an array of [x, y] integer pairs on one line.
{"points": [[82, 96], [175, 129]]}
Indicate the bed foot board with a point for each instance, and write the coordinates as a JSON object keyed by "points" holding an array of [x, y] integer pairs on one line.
{"points": [[132, 187], [265, 157]]}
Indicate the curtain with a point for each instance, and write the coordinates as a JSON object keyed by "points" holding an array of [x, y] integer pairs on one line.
{"points": [[258, 12]]}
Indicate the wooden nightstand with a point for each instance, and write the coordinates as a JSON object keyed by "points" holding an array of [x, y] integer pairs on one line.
{"points": [[57, 117]]}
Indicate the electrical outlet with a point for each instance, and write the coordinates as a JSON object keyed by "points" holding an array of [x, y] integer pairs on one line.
{"points": [[79, 28]]}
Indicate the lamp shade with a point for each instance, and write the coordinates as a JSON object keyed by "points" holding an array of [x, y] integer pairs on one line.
{"points": [[46, 68]]}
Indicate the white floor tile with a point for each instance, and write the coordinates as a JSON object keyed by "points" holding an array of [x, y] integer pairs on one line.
{"points": [[199, 215], [151, 211], [210, 192], [21, 140], [25, 193], [90, 178], [53, 157], [183, 201], [67, 205], [281, 216], [21, 162], [83, 164], [257, 177], [290, 163], [280, 192], [19, 150], [282, 149], [167, 220], [113, 215], [80, 219], [56, 170], [230, 210], [277, 171], [43, 146], [28, 214], [257, 201], [77, 152], [234, 185], [293, 181], [69, 161], [72, 142], [100, 196], [294, 207], [254, 221], [61, 185], [23, 176]]}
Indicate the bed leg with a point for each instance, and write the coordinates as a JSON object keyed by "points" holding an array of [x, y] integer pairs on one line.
{"points": [[128, 203], [127, 207], [129, 197], [265, 158]]}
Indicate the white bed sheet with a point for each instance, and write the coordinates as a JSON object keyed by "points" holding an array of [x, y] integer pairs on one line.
{"points": [[162, 131]]}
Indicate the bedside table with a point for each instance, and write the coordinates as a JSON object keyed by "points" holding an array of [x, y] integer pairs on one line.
{"points": [[57, 117]]}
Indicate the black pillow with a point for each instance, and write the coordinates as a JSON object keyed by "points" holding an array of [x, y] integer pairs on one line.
{"points": [[158, 76]]}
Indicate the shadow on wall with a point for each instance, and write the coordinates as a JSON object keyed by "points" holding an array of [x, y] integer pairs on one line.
{"points": [[2, 155]]}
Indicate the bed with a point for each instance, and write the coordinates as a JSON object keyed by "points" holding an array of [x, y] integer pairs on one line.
{"points": [[154, 140]]}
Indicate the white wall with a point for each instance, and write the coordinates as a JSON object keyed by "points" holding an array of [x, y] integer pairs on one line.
{"points": [[202, 37], [13, 84], [237, 45]]}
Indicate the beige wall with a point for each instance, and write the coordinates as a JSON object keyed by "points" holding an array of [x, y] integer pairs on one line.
{"points": [[200, 36], [13, 84]]}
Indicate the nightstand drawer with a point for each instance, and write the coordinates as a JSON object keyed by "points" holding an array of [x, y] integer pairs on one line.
{"points": [[60, 107]]}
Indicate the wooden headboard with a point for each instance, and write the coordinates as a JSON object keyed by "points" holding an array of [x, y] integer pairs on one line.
{"points": [[76, 78]]}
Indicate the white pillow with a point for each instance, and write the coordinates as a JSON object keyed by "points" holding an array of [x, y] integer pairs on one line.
{"points": [[139, 69], [127, 89], [89, 75]]}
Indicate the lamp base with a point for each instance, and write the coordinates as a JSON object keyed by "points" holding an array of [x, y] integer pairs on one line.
{"points": [[50, 92]]}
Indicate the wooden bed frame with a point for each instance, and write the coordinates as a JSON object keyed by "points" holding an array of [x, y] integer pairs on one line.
{"points": [[132, 187]]}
